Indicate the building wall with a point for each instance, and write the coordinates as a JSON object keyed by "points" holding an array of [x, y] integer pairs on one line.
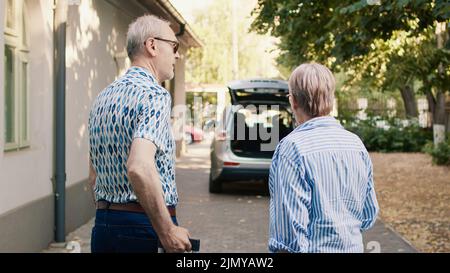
{"points": [[26, 202], [95, 39], [96, 55], [179, 99], [2, 80], [25, 175]]}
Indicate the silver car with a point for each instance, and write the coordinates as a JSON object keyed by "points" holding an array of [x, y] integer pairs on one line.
{"points": [[250, 128]]}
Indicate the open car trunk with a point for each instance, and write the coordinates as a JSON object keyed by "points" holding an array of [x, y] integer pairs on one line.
{"points": [[257, 135], [263, 119]]}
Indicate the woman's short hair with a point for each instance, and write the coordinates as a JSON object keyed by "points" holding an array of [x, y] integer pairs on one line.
{"points": [[312, 86], [140, 30]]}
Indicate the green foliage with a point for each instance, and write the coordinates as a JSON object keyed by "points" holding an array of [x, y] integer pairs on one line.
{"points": [[384, 46], [384, 134], [302, 27], [441, 153], [213, 62]]}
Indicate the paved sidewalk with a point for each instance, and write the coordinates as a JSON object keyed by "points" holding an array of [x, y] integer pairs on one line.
{"points": [[236, 221], [379, 239], [383, 239]]}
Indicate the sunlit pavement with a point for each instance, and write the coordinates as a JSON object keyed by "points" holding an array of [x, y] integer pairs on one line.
{"points": [[234, 221]]}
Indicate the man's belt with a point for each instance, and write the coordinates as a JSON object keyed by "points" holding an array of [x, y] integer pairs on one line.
{"points": [[131, 207]]}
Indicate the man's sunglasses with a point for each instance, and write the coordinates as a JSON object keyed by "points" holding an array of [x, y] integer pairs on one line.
{"points": [[174, 44]]}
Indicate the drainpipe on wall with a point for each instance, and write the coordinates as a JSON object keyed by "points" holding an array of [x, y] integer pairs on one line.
{"points": [[60, 24]]}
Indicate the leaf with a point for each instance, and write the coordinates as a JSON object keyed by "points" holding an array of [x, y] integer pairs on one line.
{"points": [[403, 3]]}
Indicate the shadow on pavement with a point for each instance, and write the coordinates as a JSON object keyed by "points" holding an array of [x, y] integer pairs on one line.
{"points": [[249, 187]]}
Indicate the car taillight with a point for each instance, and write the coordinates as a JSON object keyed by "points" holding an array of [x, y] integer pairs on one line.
{"points": [[230, 164], [221, 136]]}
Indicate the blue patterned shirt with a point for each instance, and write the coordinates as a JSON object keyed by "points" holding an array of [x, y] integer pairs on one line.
{"points": [[134, 106], [321, 190]]}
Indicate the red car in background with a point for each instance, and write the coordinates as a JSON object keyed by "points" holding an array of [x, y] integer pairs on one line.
{"points": [[192, 134]]}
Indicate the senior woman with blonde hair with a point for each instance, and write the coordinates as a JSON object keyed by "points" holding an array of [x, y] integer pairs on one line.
{"points": [[322, 194]]}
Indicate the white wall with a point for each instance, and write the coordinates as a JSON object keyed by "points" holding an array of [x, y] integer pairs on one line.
{"points": [[2, 80], [96, 34], [25, 175], [92, 45], [179, 99]]}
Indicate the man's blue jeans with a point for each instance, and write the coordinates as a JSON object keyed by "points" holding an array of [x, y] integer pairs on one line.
{"points": [[123, 232]]}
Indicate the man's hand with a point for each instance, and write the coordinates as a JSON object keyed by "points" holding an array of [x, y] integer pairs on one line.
{"points": [[146, 183], [176, 240]]}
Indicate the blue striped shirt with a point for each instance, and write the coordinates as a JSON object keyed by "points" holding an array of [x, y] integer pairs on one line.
{"points": [[322, 194]]}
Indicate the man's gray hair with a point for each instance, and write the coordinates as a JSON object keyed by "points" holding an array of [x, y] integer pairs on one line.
{"points": [[313, 86], [140, 30]]}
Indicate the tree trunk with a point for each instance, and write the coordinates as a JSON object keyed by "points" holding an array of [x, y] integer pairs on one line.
{"points": [[409, 100], [439, 113], [436, 107], [439, 119], [431, 102]]}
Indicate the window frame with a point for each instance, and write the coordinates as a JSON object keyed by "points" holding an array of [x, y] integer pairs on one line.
{"points": [[14, 30], [24, 122], [14, 38], [11, 145]]}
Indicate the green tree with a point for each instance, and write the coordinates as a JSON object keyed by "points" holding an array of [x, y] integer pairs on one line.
{"points": [[213, 62], [427, 54], [366, 40]]}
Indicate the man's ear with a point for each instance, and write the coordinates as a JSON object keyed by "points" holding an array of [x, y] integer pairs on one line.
{"points": [[150, 47]]}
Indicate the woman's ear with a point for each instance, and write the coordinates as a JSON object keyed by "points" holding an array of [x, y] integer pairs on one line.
{"points": [[293, 102]]}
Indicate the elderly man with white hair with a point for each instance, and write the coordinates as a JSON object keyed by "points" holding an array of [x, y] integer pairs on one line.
{"points": [[132, 149], [322, 193]]}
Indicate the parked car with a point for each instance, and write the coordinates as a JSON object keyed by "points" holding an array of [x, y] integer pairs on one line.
{"points": [[257, 106], [192, 134]]}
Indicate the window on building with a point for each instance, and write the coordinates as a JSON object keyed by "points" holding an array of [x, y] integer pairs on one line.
{"points": [[16, 125], [10, 15]]}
